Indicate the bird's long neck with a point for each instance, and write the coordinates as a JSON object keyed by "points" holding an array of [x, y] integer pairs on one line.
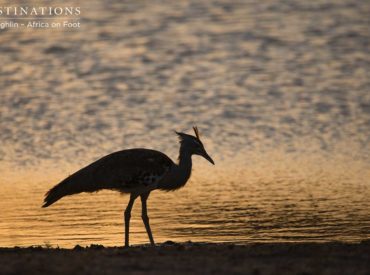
{"points": [[180, 173], [184, 166], [185, 163]]}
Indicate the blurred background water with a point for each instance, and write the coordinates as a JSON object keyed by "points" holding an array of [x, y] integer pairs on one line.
{"points": [[279, 89]]}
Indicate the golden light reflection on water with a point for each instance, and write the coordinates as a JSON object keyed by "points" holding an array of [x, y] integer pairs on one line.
{"points": [[294, 200]]}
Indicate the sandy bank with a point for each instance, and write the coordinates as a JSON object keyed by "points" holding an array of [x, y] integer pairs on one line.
{"points": [[190, 258]]}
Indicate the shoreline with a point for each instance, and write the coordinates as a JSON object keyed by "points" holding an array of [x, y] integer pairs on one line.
{"points": [[192, 258]]}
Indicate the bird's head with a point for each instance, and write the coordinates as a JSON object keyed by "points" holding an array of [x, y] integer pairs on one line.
{"points": [[194, 145]]}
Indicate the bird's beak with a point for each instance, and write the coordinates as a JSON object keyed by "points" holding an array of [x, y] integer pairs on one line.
{"points": [[207, 157]]}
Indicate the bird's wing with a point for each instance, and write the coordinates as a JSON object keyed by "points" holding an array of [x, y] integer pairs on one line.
{"points": [[124, 170], [130, 168]]}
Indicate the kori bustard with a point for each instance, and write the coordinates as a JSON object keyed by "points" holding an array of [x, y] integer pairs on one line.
{"points": [[136, 171]]}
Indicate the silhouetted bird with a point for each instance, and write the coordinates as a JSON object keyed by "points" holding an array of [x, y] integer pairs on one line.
{"points": [[135, 171]]}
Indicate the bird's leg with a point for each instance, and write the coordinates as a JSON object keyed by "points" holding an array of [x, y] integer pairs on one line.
{"points": [[127, 218], [144, 216]]}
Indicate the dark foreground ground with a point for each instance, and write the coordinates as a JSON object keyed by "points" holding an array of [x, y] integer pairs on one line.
{"points": [[191, 258]]}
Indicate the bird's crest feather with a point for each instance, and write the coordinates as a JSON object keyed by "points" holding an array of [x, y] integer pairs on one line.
{"points": [[183, 136], [196, 132]]}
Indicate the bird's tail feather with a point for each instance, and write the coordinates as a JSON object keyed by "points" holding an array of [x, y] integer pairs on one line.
{"points": [[74, 184], [57, 192]]}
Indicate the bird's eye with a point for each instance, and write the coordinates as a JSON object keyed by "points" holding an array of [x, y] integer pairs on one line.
{"points": [[198, 146]]}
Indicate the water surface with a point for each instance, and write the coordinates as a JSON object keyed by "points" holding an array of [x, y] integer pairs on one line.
{"points": [[279, 90]]}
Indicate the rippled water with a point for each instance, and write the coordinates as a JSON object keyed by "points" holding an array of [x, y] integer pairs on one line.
{"points": [[279, 89]]}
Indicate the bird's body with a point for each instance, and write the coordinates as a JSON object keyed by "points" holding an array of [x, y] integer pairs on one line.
{"points": [[136, 171], [128, 171]]}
